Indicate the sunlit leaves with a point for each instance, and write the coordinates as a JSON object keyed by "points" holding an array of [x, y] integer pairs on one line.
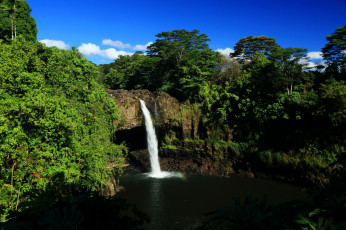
{"points": [[56, 123]]}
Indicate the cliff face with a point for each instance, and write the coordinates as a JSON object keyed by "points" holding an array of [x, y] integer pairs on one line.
{"points": [[167, 112], [186, 144], [177, 124]]}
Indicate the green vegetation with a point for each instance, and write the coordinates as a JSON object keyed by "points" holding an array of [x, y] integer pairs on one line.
{"points": [[180, 62], [56, 125], [258, 214], [15, 20], [86, 211], [247, 47], [262, 106], [334, 51]]}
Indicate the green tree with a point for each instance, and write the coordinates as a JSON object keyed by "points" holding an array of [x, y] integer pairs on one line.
{"points": [[228, 70], [248, 46], [186, 63], [290, 62], [175, 44], [132, 72], [15, 20], [335, 50], [56, 125]]}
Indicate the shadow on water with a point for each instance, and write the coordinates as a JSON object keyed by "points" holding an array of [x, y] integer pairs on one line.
{"points": [[155, 203], [181, 203]]}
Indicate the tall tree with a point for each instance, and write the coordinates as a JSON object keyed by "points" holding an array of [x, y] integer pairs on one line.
{"points": [[186, 61], [290, 62], [177, 43], [132, 72], [335, 50], [248, 46], [15, 20], [228, 70]]}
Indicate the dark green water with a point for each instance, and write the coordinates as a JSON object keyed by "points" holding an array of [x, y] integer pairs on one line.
{"points": [[180, 203]]}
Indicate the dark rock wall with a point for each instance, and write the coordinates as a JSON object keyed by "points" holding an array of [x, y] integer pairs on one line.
{"points": [[179, 129], [173, 120]]}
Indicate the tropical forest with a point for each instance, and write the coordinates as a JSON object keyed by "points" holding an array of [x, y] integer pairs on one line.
{"points": [[121, 145]]}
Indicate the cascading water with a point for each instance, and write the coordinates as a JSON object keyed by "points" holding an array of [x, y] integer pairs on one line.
{"points": [[152, 144], [153, 147], [152, 141]]}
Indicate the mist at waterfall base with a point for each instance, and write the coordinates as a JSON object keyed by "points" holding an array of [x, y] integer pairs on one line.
{"points": [[176, 201], [153, 147]]}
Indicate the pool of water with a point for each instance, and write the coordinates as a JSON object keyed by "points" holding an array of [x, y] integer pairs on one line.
{"points": [[181, 202]]}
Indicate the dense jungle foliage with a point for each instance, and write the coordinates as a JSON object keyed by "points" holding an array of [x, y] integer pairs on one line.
{"points": [[262, 100], [272, 112], [57, 123], [15, 20]]}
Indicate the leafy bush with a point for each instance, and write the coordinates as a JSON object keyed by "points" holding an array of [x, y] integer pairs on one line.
{"points": [[56, 124]]}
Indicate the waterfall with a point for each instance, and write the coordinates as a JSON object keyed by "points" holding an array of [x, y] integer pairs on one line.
{"points": [[153, 147], [152, 143]]}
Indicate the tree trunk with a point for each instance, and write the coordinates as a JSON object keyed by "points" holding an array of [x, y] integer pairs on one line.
{"points": [[15, 30], [291, 87], [288, 90], [20, 186], [12, 26], [12, 184], [14, 22]]}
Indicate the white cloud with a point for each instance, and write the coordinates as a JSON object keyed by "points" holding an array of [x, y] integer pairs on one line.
{"points": [[142, 47], [307, 64], [117, 44], [225, 51], [311, 65], [113, 53], [314, 55], [59, 44], [121, 45], [90, 49]]}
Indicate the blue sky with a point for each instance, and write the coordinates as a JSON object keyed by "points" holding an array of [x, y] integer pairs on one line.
{"points": [[104, 29]]}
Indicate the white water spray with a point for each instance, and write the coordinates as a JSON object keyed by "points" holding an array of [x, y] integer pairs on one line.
{"points": [[152, 141], [153, 146]]}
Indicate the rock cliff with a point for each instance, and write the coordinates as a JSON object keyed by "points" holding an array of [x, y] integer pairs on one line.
{"points": [[185, 143], [177, 124], [165, 109]]}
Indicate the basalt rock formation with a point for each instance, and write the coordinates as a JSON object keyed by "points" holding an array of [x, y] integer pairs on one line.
{"points": [[186, 144], [167, 111], [176, 125]]}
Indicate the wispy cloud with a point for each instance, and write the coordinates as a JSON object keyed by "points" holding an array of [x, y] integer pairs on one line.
{"points": [[227, 51], [315, 55], [312, 65], [117, 44], [121, 45], [59, 44], [142, 47], [90, 49]]}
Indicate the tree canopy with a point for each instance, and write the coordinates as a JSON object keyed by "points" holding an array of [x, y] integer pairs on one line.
{"points": [[248, 46], [15, 20], [56, 125], [335, 50], [187, 62]]}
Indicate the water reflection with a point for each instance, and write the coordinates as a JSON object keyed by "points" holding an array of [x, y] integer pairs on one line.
{"points": [[155, 203], [181, 202]]}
